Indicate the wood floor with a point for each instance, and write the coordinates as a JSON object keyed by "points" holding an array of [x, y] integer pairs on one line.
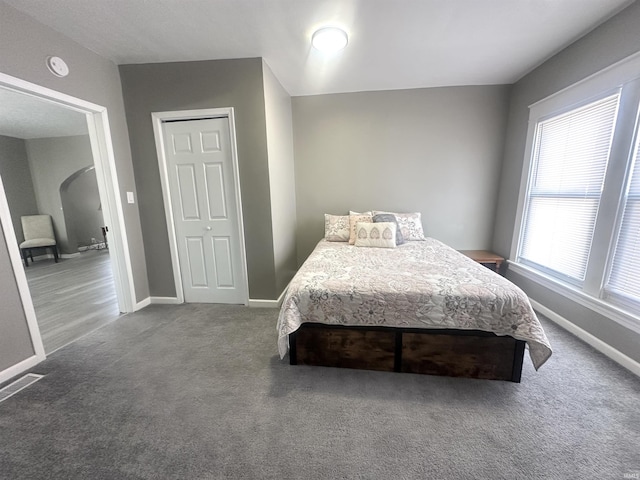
{"points": [[72, 297]]}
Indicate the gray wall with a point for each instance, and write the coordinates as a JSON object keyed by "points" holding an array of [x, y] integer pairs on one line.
{"points": [[281, 177], [25, 47], [52, 161], [612, 41], [15, 341], [82, 208], [163, 87], [16, 178], [91, 78], [436, 151]]}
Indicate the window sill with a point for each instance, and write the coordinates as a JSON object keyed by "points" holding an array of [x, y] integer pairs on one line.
{"points": [[613, 312]]}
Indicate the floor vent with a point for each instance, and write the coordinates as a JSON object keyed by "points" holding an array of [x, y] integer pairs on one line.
{"points": [[20, 384]]}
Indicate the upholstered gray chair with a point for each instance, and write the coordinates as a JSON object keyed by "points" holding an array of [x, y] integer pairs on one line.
{"points": [[38, 233]]}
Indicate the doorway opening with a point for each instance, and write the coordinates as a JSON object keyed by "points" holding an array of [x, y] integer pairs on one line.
{"points": [[114, 267]]}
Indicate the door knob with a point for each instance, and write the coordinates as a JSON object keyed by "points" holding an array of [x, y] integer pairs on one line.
{"points": [[207, 228]]}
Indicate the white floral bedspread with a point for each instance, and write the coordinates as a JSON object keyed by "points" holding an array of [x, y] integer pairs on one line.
{"points": [[416, 285]]}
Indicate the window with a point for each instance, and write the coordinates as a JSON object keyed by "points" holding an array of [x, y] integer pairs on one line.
{"points": [[579, 210], [624, 277], [570, 158]]}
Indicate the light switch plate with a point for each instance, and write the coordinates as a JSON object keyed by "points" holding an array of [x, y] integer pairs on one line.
{"points": [[130, 197]]}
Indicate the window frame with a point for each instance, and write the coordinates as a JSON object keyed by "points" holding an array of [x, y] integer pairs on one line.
{"points": [[619, 299], [624, 77], [531, 172]]}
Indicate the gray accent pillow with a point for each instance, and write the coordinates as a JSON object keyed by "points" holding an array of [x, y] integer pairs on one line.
{"points": [[390, 217]]}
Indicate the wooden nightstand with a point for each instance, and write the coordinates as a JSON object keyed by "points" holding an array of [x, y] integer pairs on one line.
{"points": [[484, 257]]}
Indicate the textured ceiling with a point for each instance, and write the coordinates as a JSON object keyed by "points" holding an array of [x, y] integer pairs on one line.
{"points": [[23, 116], [394, 44]]}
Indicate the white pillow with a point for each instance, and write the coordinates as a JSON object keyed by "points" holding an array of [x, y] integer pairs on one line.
{"points": [[353, 220], [336, 228], [410, 224], [382, 234]]}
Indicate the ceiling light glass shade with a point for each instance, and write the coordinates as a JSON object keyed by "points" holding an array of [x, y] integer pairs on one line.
{"points": [[329, 39]]}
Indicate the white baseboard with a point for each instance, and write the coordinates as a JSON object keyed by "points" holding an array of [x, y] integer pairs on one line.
{"points": [[19, 368], [50, 256], [164, 301], [68, 255], [95, 246], [143, 303], [263, 303], [253, 303], [615, 355], [269, 303], [155, 301]]}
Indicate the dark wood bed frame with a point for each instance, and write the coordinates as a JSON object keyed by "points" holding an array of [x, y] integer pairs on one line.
{"points": [[457, 353]]}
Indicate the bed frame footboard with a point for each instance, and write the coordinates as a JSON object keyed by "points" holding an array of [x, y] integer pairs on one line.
{"points": [[456, 353]]}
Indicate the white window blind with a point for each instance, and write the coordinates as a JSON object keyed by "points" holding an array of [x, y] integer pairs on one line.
{"points": [[624, 276], [570, 156]]}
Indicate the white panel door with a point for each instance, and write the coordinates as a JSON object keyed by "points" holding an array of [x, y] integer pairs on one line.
{"points": [[205, 212]]}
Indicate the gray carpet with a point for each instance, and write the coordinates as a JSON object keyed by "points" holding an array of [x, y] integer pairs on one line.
{"points": [[198, 392]]}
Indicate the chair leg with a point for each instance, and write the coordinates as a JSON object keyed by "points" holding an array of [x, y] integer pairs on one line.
{"points": [[25, 256], [55, 253]]}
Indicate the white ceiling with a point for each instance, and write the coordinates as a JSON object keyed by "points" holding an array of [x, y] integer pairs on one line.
{"points": [[24, 116], [394, 44]]}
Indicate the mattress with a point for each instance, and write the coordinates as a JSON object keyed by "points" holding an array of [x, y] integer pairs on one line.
{"points": [[420, 284]]}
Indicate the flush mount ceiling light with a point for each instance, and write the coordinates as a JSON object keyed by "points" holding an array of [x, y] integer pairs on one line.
{"points": [[329, 39]]}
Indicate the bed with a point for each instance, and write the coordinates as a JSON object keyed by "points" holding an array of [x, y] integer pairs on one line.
{"points": [[421, 307]]}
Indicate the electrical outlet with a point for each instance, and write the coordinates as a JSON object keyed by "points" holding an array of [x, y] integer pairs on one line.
{"points": [[130, 197], [93, 240]]}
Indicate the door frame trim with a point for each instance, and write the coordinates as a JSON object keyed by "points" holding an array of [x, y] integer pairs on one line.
{"points": [[106, 176], [158, 118], [23, 290]]}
